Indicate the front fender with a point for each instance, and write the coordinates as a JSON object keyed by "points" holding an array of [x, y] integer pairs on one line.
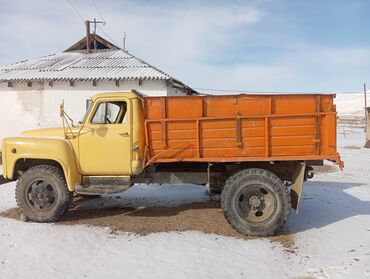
{"points": [[56, 149]]}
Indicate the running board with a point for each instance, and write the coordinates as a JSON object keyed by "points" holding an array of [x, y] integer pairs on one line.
{"points": [[100, 185]]}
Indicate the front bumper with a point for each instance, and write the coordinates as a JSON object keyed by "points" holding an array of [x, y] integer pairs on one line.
{"points": [[3, 180], [3, 159]]}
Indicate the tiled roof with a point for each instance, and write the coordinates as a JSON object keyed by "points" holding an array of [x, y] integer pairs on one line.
{"points": [[98, 65]]}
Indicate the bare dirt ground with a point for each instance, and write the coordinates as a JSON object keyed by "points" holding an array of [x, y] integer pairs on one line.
{"points": [[205, 217]]}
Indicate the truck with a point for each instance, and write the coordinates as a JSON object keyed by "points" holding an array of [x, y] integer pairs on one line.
{"points": [[256, 150]]}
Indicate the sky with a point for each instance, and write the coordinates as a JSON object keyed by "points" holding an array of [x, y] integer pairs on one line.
{"points": [[259, 45]]}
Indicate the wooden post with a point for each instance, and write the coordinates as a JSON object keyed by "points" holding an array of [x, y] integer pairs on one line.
{"points": [[95, 43], [87, 23], [367, 144], [365, 104]]}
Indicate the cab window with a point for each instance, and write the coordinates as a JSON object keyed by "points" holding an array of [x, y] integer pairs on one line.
{"points": [[110, 113]]}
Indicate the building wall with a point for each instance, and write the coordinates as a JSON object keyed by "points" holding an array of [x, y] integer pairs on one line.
{"points": [[24, 108], [171, 91]]}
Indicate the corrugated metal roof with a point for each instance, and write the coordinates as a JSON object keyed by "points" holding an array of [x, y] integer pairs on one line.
{"points": [[102, 64]]}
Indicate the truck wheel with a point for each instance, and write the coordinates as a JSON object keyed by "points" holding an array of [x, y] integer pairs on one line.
{"points": [[255, 202], [42, 194]]}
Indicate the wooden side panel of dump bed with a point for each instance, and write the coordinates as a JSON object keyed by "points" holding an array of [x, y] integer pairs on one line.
{"points": [[240, 128]]}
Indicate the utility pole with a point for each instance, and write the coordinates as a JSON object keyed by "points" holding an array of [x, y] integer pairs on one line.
{"points": [[95, 45], [365, 102], [124, 41], [87, 23], [88, 35], [367, 116]]}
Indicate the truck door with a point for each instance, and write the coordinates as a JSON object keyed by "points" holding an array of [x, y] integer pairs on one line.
{"points": [[105, 140]]}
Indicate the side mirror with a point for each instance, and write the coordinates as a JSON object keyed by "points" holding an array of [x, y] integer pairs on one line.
{"points": [[61, 109]]}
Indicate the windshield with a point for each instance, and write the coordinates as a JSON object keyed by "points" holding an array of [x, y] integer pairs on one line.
{"points": [[88, 105]]}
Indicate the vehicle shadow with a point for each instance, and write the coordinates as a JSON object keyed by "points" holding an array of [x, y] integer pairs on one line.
{"points": [[324, 203]]}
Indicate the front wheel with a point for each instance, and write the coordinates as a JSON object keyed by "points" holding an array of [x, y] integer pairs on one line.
{"points": [[255, 202], [42, 194]]}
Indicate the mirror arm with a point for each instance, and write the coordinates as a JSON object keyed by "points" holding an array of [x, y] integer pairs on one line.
{"points": [[65, 117]]}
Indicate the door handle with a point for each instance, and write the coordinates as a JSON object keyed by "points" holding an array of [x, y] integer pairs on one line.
{"points": [[125, 134]]}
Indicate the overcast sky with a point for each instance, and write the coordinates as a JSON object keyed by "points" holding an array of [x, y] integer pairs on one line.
{"points": [[261, 45]]}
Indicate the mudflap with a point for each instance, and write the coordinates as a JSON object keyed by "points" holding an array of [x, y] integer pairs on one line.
{"points": [[297, 185]]}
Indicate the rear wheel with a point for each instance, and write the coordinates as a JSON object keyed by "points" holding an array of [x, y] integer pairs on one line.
{"points": [[255, 202], [42, 194]]}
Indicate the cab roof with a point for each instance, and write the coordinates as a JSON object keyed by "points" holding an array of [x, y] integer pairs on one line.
{"points": [[131, 95]]}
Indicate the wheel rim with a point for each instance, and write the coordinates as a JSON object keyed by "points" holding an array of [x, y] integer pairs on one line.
{"points": [[256, 203], [41, 194]]}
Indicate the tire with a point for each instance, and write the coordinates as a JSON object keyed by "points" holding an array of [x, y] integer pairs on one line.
{"points": [[255, 202], [42, 194]]}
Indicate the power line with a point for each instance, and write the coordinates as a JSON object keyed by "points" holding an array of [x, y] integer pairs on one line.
{"points": [[97, 8], [100, 28], [79, 15], [75, 9], [271, 92]]}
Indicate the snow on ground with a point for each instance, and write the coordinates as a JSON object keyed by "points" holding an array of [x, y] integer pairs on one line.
{"points": [[333, 228], [57, 251], [332, 236], [350, 104]]}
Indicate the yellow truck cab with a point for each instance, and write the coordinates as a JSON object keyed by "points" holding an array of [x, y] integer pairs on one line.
{"points": [[243, 146], [83, 150]]}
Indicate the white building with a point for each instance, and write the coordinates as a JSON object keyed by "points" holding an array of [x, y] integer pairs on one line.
{"points": [[32, 90]]}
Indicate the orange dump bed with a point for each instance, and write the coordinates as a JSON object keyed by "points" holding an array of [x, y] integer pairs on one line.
{"points": [[242, 127]]}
